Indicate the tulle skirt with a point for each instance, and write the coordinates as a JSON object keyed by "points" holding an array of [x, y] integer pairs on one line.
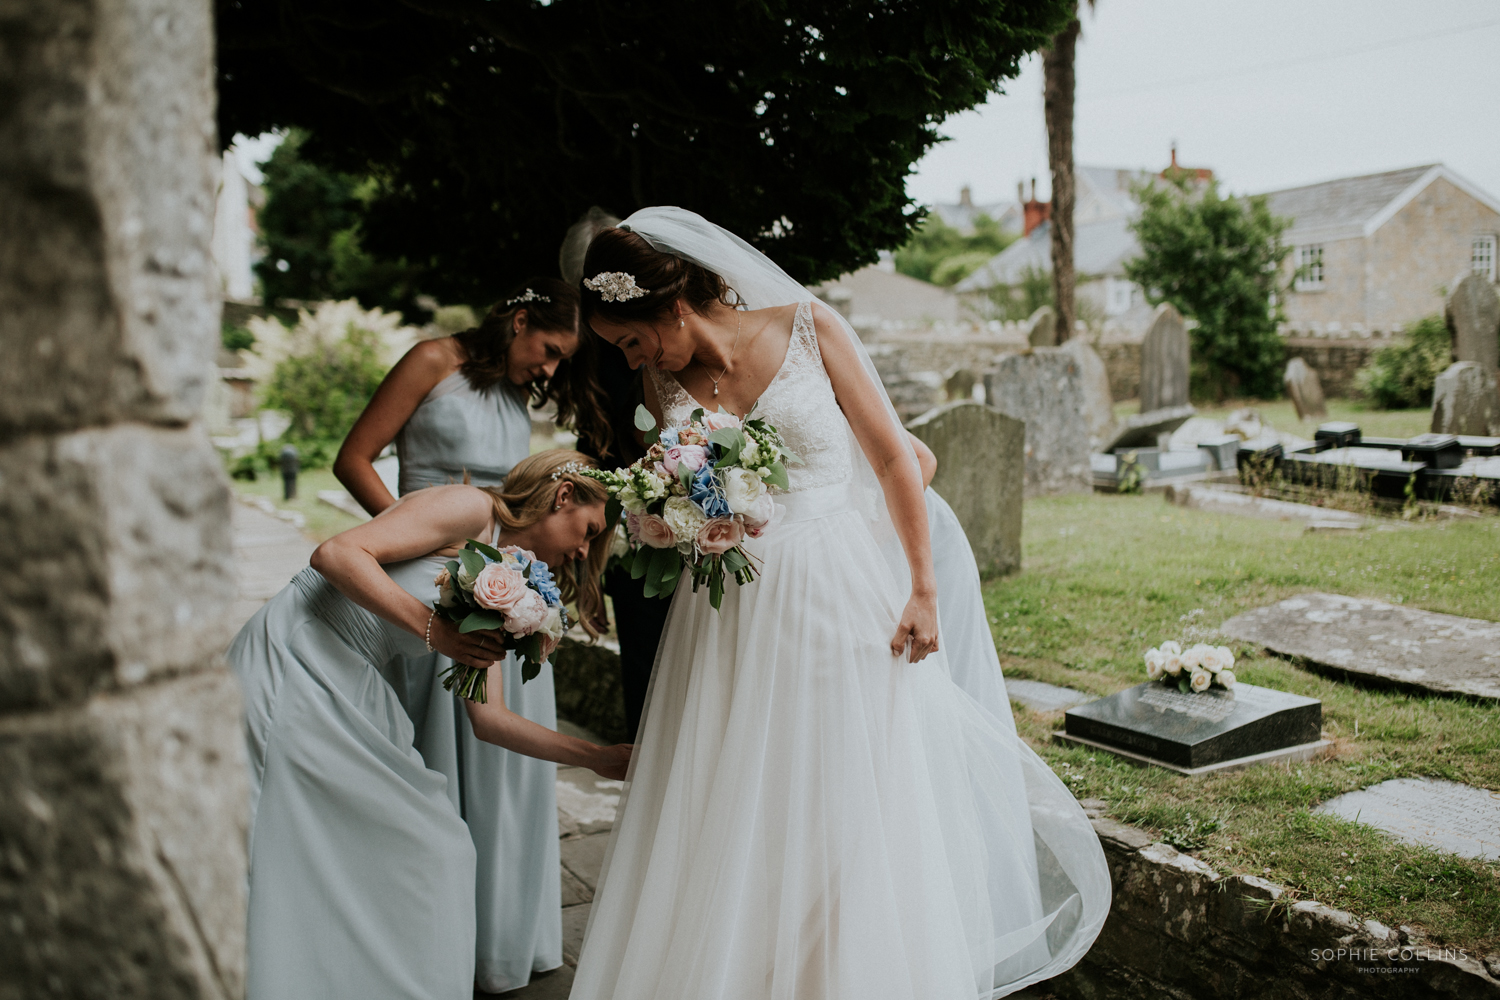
{"points": [[809, 817]]}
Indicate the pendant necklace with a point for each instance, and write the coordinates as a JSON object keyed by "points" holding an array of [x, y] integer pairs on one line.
{"points": [[738, 329]]}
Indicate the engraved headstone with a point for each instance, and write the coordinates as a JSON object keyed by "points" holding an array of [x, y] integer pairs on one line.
{"points": [[1043, 388], [981, 465], [1098, 401], [1473, 314], [1190, 732], [1041, 328], [1041, 697], [1164, 361], [1445, 815], [1306, 391], [1380, 641], [1465, 401]]}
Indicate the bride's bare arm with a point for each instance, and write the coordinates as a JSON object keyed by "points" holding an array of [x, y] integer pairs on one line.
{"points": [[885, 444]]}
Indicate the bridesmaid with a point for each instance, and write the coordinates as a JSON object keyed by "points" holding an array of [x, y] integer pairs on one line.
{"points": [[361, 869], [457, 409]]}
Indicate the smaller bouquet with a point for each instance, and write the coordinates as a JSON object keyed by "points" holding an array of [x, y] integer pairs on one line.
{"points": [[700, 491], [1201, 667], [510, 591]]}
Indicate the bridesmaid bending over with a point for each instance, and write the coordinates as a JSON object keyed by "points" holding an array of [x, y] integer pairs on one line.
{"points": [[457, 409], [361, 868]]}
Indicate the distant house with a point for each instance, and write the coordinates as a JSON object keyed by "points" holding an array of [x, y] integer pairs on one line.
{"points": [[961, 214], [1373, 253], [879, 297], [1103, 208]]}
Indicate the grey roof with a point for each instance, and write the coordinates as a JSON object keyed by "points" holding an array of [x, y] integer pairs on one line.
{"points": [[1112, 186], [1099, 248], [961, 216], [1345, 204]]}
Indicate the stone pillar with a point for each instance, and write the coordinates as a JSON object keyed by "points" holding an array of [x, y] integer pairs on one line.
{"points": [[981, 468], [122, 782]]}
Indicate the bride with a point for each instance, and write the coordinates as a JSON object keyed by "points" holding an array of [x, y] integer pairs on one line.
{"points": [[814, 809]]}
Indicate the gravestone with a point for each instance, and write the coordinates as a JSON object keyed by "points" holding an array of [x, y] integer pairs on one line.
{"points": [[981, 465], [1145, 430], [1473, 315], [1098, 402], [1041, 697], [1043, 389], [1379, 641], [123, 780], [960, 385], [1198, 732], [1306, 391], [1041, 328], [1164, 361], [1465, 401], [1444, 815]]}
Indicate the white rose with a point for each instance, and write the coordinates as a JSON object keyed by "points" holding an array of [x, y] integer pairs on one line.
{"points": [[1226, 658], [1171, 648], [741, 489], [552, 625], [750, 454], [1172, 664], [1191, 660], [1201, 680], [684, 518], [465, 578], [1226, 678], [1155, 663]]}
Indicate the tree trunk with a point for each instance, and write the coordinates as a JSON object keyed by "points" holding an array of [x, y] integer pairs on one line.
{"points": [[1057, 99]]}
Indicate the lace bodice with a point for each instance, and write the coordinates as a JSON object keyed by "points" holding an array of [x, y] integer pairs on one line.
{"points": [[799, 402]]}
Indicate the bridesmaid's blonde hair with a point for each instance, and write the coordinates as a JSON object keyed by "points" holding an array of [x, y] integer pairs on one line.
{"points": [[527, 496]]}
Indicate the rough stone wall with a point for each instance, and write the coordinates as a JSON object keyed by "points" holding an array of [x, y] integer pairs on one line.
{"points": [[1342, 297], [1423, 249], [122, 780], [1178, 930], [1336, 362]]}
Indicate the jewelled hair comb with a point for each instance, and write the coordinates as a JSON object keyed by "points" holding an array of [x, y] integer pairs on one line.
{"points": [[615, 286]]}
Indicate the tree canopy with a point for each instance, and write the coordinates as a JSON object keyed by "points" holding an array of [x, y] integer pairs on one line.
{"points": [[486, 127], [1217, 261]]}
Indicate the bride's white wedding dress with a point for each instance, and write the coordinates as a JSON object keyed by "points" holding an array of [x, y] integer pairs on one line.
{"points": [[809, 817]]}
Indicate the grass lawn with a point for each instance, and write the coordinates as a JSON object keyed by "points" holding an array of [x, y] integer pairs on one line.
{"points": [[323, 521], [1283, 416], [1106, 577]]}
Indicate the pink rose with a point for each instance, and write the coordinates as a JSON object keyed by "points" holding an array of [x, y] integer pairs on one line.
{"points": [[653, 531], [691, 455], [633, 526], [718, 535], [527, 614], [719, 421], [499, 587], [549, 646]]}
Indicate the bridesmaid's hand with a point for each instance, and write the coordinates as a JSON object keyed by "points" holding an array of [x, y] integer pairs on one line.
{"points": [[473, 649], [917, 635], [613, 761]]}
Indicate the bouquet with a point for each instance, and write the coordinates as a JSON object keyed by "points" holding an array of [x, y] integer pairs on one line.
{"points": [[508, 590], [700, 491], [1201, 667]]}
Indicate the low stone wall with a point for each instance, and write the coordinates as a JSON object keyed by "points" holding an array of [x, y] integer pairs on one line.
{"points": [[1335, 361], [1177, 929]]}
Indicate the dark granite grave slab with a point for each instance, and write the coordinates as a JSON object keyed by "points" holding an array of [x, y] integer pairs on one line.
{"points": [[1479, 447], [1190, 731], [1436, 451], [1340, 433], [1384, 642], [1380, 470], [1460, 483], [1260, 455]]}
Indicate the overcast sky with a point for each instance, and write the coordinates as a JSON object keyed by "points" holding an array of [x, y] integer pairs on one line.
{"points": [[1268, 93]]}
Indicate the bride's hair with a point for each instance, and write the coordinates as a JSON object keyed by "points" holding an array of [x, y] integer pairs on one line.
{"points": [[664, 277], [526, 497], [550, 304]]}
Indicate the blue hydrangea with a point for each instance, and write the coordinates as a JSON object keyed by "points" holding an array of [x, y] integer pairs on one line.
{"points": [[668, 437], [541, 579], [707, 493]]}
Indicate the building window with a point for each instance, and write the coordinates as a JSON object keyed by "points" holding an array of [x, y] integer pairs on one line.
{"points": [[1119, 295], [1482, 256], [1309, 268]]}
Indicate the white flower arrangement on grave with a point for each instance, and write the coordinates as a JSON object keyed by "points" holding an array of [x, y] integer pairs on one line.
{"points": [[1199, 668]]}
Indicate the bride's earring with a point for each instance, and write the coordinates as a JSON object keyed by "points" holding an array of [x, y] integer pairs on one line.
{"points": [[557, 506]]}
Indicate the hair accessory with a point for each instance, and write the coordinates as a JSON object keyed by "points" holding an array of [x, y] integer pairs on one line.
{"points": [[527, 296], [615, 286], [572, 468]]}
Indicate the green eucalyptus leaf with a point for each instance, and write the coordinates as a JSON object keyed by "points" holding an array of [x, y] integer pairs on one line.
{"points": [[651, 437], [644, 421], [696, 415], [612, 510], [778, 477], [473, 561], [481, 620], [483, 549]]}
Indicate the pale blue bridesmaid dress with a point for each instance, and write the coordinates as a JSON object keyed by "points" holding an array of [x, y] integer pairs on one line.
{"points": [[509, 801], [361, 870]]}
